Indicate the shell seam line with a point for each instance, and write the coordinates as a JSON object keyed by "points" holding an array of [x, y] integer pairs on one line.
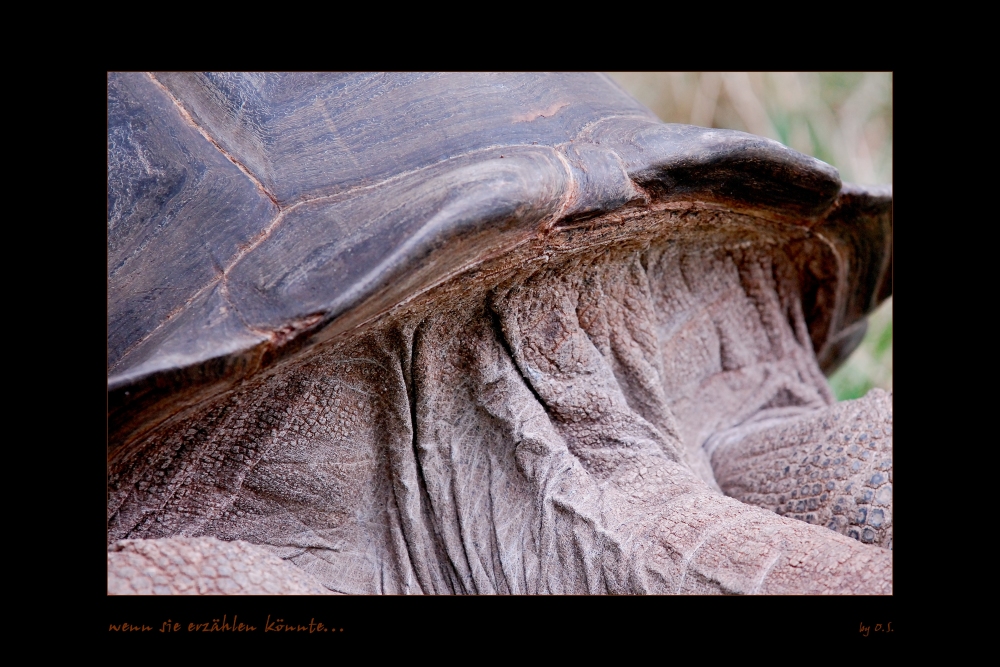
{"points": [[229, 156], [221, 275]]}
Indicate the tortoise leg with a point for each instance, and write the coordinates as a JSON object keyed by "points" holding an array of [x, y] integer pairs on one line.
{"points": [[202, 566], [831, 467], [639, 510]]}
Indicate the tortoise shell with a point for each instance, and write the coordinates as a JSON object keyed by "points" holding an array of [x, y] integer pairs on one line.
{"points": [[252, 216]]}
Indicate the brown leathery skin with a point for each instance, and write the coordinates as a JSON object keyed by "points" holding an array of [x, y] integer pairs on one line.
{"points": [[533, 425]]}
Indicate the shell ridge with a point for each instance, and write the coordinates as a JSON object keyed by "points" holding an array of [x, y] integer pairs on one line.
{"points": [[457, 214]]}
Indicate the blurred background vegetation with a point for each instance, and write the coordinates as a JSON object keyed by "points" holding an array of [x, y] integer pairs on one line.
{"points": [[842, 118]]}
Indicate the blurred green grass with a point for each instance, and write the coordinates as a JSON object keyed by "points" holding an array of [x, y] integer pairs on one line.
{"points": [[842, 118]]}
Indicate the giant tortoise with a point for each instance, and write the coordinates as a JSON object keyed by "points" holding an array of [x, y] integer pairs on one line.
{"points": [[481, 333]]}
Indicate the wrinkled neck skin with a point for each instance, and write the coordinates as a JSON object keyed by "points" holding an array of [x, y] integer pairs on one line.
{"points": [[548, 422]]}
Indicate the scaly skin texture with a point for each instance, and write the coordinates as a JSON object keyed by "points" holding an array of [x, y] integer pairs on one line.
{"points": [[830, 467], [202, 566], [534, 426]]}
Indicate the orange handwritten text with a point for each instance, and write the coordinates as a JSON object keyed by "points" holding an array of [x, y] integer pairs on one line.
{"points": [[215, 626], [279, 625], [865, 630], [128, 627]]}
